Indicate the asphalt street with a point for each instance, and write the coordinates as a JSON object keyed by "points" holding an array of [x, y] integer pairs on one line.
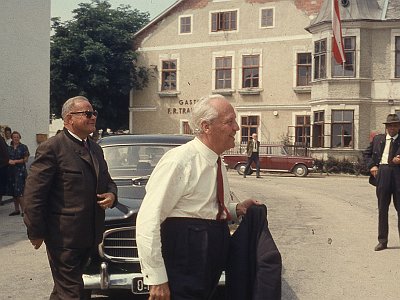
{"points": [[324, 226]]}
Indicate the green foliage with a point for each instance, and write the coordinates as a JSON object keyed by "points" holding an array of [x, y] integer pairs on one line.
{"points": [[92, 55], [333, 165]]}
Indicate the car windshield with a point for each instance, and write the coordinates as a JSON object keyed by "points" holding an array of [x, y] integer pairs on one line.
{"points": [[133, 160], [273, 150]]}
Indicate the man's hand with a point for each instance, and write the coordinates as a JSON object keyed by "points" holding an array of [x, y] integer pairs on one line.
{"points": [[396, 160], [374, 171], [106, 200], [160, 292], [242, 207], [37, 243]]}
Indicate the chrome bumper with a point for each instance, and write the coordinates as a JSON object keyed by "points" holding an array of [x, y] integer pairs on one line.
{"points": [[105, 281]]}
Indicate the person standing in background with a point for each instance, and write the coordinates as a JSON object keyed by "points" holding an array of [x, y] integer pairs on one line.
{"points": [[253, 149], [7, 135], [18, 154], [67, 192], [4, 158], [380, 157]]}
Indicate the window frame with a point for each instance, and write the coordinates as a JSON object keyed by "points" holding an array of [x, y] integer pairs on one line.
{"points": [[180, 24], [262, 25], [320, 56], [341, 124], [318, 126], [348, 52], [251, 67], [169, 70], [304, 138], [218, 23], [225, 70], [308, 67], [250, 128]]}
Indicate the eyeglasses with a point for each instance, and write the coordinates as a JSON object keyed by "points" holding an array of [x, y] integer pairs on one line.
{"points": [[87, 113]]}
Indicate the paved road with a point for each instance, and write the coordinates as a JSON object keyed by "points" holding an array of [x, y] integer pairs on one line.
{"points": [[324, 226]]}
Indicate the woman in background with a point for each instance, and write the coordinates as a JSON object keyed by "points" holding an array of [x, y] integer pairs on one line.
{"points": [[18, 154]]}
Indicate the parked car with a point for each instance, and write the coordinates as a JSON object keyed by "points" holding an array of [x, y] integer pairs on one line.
{"points": [[131, 159], [273, 158]]}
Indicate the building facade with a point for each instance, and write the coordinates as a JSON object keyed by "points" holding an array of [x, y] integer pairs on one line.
{"points": [[25, 68], [273, 61]]}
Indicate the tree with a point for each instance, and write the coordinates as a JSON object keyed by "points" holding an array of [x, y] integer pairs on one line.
{"points": [[92, 55]]}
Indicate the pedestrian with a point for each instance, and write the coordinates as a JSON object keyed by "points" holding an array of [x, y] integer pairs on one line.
{"points": [[4, 158], [18, 156], [7, 135], [67, 191], [182, 226], [253, 150], [385, 174]]}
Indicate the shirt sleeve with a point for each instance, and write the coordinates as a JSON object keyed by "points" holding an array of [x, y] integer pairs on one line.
{"points": [[163, 191]]}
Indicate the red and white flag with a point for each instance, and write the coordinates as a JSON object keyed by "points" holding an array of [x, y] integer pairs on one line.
{"points": [[337, 41]]}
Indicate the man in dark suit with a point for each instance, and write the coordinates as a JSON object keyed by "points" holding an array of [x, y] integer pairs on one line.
{"points": [[253, 149], [3, 167], [66, 193], [382, 160]]}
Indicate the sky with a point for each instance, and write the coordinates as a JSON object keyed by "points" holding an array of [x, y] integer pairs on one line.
{"points": [[63, 8]]}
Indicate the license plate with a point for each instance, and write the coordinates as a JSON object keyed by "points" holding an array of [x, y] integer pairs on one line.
{"points": [[138, 286]]}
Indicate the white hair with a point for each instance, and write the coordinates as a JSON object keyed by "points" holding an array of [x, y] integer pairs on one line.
{"points": [[69, 105], [202, 111]]}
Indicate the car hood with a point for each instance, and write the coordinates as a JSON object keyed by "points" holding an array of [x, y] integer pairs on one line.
{"points": [[130, 198]]}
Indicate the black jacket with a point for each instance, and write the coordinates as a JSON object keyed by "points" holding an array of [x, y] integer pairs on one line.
{"points": [[373, 154], [254, 263]]}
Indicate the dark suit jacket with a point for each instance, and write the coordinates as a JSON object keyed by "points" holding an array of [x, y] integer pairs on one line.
{"points": [[60, 193], [254, 264], [373, 154], [3, 153], [250, 146]]}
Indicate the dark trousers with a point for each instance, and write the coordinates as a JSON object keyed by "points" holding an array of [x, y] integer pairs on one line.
{"points": [[195, 253], [388, 184], [253, 157], [3, 180], [67, 268]]}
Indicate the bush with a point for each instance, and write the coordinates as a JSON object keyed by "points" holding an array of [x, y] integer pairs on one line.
{"points": [[333, 165]]}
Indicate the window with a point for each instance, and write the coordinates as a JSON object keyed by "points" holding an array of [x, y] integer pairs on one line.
{"points": [[251, 66], [185, 24], [224, 21], [397, 58], [302, 130], [318, 129], [249, 126], [267, 17], [303, 69], [320, 59], [347, 69], [342, 128], [185, 128], [168, 75], [223, 72]]}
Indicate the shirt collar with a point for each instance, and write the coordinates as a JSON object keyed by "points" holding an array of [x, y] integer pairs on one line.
{"points": [[206, 152], [388, 137], [75, 136]]}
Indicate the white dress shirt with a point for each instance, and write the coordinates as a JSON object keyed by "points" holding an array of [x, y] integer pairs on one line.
{"points": [[385, 154], [183, 184]]}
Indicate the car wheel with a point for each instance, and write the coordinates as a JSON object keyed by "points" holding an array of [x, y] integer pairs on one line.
{"points": [[241, 167], [300, 170]]}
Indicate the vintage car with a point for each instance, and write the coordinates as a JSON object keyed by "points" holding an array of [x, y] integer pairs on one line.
{"points": [[131, 159], [273, 158]]}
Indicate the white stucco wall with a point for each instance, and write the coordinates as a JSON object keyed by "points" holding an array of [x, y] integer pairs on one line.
{"points": [[25, 67]]}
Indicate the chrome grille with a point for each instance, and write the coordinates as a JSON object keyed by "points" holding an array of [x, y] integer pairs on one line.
{"points": [[119, 245]]}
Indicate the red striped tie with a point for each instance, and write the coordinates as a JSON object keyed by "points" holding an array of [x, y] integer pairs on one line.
{"points": [[220, 193]]}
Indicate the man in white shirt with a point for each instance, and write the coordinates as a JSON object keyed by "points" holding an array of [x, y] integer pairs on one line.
{"points": [[382, 158], [186, 209], [7, 135], [253, 149]]}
